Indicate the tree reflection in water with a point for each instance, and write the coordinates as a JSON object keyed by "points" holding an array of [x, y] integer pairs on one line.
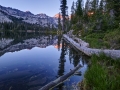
{"points": [[62, 61], [75, 57]]}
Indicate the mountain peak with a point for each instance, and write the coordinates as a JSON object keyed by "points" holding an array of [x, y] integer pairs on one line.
{"points": [[27, 11], [57, 15], [41, 14]]}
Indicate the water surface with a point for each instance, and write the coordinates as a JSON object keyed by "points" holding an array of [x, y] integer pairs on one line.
{"points": [[28, 63]]}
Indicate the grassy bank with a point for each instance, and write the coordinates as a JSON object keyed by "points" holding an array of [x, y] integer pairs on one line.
{"points": [[108, 39], [95, 40], [103, 74]]}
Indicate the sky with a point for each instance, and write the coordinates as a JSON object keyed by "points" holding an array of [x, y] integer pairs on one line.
{"points": [[49, 7]]}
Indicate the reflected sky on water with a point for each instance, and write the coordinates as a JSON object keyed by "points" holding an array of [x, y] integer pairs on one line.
{"points": [[34, 62]]}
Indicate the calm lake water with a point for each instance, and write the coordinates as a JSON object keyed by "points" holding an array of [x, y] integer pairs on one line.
{"points": [[30, 62]]}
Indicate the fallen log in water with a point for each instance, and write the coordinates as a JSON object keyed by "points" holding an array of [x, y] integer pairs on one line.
{"points": [[60, 79], [83, 47]]}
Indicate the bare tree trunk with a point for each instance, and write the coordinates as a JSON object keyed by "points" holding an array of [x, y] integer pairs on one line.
{"points": [[60, 79]]}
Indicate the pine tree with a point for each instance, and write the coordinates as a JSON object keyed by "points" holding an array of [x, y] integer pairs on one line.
{"points": [[95, 5], [86, 10], [59, 22], [94, 8], [101, 8], [116, 8], [87, 6], [73, 8], [79, 11], [113, 10], [79, 14], [73, 13], [64, 8]]}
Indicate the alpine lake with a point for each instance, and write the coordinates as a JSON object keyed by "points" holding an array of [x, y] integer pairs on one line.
{"points": [[30, 61]]}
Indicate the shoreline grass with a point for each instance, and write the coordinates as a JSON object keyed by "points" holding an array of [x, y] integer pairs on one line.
{"points": [[106, 40], [103, 74]]}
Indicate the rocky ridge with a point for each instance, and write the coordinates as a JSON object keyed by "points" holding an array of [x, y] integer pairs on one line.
{"points": [[28, 17]]}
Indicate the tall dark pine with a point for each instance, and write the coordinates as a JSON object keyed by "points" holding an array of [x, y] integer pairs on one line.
{"points": [[114, 5], [63, 8], [73, 17], [87, 8], [94, 5], [59, 22], [94, 8], [101, 7], [79, 12], [73, 8], [116, 8]]}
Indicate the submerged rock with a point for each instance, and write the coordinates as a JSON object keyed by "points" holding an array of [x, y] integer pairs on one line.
{"points": [[38, 82], [35, 88], [35, 77]]}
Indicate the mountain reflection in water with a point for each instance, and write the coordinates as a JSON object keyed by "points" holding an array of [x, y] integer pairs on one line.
{"points": [[28, 63]]}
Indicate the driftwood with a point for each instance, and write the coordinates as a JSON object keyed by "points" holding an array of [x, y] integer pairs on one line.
{"points": [[60, 79]]}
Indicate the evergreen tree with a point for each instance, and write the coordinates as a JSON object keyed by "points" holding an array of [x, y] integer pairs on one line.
{"points": [[95, 5], [64, 8], [59, 22], [73, 19], [86, 10], [101, 8], [87, 6], [116, 8], [79, 12], [94, 9], [73, 8]]}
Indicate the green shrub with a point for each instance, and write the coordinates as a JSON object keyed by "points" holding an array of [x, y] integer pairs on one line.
{"points": [[113, 38], [95, 40]]}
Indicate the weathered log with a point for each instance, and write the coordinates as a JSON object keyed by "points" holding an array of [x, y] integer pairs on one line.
{"points": [[83, 47], [60, 79]]}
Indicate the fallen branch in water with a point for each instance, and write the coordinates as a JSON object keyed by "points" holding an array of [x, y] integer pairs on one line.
{"points": [[60, 79]]}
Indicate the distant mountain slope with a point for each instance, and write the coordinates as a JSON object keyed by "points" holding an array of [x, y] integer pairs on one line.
{"points": [[7, 14], [4, 18]]}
